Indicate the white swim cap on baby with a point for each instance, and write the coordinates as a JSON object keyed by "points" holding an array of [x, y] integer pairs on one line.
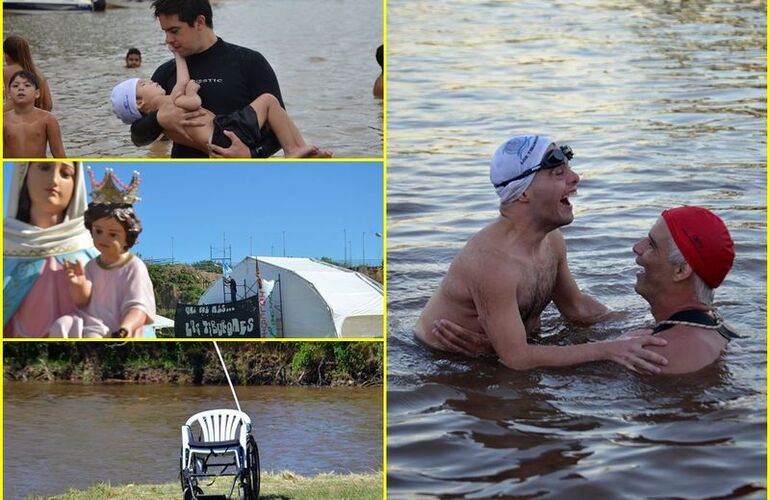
{"points": [[124, 101], [513, 157]]}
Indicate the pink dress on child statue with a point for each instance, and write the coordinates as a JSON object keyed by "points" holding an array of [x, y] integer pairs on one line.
{"points": [[114, 291]]}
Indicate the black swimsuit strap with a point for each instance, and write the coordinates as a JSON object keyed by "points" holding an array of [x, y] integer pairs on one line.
{"points": [[700, 318]]}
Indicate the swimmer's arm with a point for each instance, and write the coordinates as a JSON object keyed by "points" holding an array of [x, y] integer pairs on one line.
{"points": [[185, 91], [572, 302], [53, 132], [46, 101], [497, 305], [499, 317], [146, 129]]}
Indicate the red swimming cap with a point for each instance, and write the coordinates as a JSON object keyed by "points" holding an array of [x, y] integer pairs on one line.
{"points": [[704, 241]]}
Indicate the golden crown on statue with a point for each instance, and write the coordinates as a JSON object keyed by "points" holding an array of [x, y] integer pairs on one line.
{"points": [[112, 190]]}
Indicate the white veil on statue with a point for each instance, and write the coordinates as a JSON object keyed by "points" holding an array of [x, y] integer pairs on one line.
{"points": [[26, 247], [23, 240]]}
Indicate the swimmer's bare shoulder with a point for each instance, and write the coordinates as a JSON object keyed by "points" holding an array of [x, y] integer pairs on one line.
{"points": [[461, 292], [689, 349]]}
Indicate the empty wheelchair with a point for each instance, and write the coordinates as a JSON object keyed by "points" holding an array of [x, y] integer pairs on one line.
{"points": [[217, 443]]}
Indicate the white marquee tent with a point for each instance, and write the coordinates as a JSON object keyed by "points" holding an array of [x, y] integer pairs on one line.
{"points": [[318, 299]]}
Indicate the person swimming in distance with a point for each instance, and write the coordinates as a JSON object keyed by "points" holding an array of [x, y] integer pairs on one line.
{"points": [[378, 90], [133, 58]]}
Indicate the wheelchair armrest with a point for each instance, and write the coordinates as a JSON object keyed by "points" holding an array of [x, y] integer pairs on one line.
{"points": [[186, 436], [244, 434]]}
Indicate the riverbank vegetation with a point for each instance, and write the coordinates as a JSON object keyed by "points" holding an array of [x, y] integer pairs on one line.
{"points": [[249, 363], [283, 485]]}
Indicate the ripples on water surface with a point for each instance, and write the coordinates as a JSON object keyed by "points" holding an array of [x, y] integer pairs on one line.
{"points": [[60, 436], [664, 104], [322, 53]]}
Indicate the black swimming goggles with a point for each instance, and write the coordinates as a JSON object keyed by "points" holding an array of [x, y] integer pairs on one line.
{"points": [[555, 158]]}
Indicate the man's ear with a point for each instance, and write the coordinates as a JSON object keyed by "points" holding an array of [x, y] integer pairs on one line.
{"points": [[682, 272], [200, 22], [524, 197], [37, 93]]}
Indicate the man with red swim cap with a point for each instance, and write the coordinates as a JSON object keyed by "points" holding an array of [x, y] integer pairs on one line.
{"points": [[686, 255]]}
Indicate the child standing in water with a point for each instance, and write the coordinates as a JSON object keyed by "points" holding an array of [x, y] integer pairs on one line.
{"points": [[133, 98], [29, 131]]}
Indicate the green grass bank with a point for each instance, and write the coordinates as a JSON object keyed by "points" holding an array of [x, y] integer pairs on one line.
{"points": [[249, 363], [278, 486]]}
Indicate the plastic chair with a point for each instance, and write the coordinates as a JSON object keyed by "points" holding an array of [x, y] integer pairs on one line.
{"points": [[213, 435]]}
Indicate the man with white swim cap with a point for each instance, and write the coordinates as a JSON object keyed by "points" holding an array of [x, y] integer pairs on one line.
{"points": [[686, 255], [508, 272]]}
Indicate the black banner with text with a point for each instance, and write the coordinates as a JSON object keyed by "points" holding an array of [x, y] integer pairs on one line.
{"points": [[239, 319]]}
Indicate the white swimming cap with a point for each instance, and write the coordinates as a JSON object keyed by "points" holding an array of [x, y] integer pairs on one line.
{"points": [[513, 157], [124, 101]]}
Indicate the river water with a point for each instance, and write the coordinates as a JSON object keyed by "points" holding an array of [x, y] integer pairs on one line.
{"points": [[60, 436], [322, 53], [663, 104]]}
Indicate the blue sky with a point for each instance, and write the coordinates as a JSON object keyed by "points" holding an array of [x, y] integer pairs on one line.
{"points": [[315, 206]]}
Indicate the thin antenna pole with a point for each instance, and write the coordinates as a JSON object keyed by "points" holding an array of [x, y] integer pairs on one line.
{"points": [[224, 367]]}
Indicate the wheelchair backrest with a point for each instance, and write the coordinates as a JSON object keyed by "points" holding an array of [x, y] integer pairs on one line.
{"points": [[218, 425]]}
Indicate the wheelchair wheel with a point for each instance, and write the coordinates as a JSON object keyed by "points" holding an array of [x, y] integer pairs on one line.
{"points": [[191, 494], [250, 482], [182, 475]]}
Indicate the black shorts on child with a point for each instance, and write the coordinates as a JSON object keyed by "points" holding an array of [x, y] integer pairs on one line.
{"points": [[242, 123]]}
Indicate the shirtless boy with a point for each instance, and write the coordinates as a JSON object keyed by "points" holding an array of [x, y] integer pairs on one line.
{"points": [[27, 130], [135, 98], [508, 272]]}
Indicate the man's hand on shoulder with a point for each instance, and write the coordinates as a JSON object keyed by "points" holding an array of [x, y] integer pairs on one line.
{"points": [[630, 352], [236, 150]]}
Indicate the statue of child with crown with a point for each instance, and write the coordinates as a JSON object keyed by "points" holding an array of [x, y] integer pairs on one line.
{"points": [[113, 292]]}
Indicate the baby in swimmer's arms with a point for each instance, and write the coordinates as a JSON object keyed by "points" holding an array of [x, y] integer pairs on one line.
{"points": [[133, 98]]}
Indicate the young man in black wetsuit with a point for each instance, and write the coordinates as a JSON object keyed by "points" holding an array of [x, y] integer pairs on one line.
{"points": [[230, 77]]}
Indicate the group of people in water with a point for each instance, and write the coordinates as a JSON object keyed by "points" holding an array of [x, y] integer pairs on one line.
{"points": [[213, 99], [29, 127]]}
